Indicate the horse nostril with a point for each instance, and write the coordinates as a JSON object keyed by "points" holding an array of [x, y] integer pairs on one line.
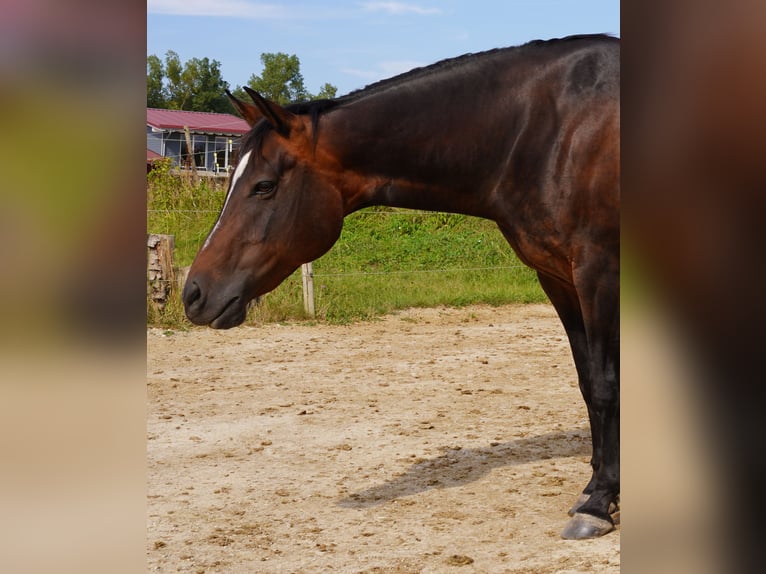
{"points": [[192, 293]]}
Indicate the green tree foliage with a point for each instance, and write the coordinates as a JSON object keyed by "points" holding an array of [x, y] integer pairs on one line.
{"points": [[173, 90], [197, 84], [155, 93], [281, 80], [206, 86], [327, 91]]}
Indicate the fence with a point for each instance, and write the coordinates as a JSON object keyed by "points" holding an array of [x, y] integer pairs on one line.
{"points": [[402, 251], [160, 272], [163, 276]]}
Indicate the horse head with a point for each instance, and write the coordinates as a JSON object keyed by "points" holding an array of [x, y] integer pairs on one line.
{"points": [[281, 210]]}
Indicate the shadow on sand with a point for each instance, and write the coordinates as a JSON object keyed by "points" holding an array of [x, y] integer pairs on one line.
{"points": [[457, 466]]}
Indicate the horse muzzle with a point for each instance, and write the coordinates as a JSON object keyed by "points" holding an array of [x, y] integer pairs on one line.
{"points": [[221, 307]]}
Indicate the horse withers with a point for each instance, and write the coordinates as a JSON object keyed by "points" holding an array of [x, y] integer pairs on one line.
{"points": [[528, 137]]}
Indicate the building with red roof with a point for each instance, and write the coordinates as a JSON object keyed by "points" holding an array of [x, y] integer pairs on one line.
{"points": [[213, 137]]}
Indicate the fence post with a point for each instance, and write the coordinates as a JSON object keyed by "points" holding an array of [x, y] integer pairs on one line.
{"points": [[160, 274], [307, 273], [181, 274], [190, 154]]}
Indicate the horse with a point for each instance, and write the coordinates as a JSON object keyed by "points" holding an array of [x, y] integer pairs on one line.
{"points": [[526, 136]]}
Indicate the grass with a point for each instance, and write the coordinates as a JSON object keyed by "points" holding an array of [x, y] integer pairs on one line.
{"points": [[178, 207], [386, 259]]}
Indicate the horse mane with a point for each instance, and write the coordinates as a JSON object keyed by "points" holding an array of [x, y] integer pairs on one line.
{"points": [[315, 108], [450, 63]]}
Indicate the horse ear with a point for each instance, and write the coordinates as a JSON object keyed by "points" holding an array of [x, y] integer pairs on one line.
{"points": [[249, 112], [280, 118]]}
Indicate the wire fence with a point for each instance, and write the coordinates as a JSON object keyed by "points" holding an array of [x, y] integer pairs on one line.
{"points": [[388, 213], [398, 272], [471, 255]]}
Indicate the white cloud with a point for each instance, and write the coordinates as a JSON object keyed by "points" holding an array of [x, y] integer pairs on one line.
{"points": [[398, 8], [225, 8]]}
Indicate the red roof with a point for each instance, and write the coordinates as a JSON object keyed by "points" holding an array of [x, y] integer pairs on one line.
{"points": [[152, 156], [199, 122]]}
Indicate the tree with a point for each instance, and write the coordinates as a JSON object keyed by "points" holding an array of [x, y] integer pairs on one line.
{"points": [[196, 85], [281, 81], [174, 91], [155, 92], [206, 86], [326, 92]]}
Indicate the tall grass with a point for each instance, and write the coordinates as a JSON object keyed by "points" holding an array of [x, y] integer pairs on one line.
{"points": [[386, 259], [179, 207]]}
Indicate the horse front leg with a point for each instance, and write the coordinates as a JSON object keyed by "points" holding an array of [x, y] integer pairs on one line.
{"points": [[597, 372], [599, 303], [592, 514]]}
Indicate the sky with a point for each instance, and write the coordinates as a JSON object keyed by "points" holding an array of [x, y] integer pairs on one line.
{"points": [[352, 43]]}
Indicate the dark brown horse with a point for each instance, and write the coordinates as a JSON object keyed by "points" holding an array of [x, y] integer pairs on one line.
{"points": [[528, 137]]}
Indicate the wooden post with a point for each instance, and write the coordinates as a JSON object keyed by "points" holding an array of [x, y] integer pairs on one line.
{"points": [[307, 273], [181, 274], [190, 153], [160, 274]]}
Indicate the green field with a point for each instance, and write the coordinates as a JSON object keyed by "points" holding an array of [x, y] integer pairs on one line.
{"points": [[385, 259]]}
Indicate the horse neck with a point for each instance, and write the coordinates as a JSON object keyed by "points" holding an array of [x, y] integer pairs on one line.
{"points": [[422, 156]]}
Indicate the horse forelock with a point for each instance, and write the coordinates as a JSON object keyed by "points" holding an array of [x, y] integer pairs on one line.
{"points": [[253, 140]]}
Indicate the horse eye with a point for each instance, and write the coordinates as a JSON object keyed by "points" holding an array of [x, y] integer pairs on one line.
{"points": [[263, 188]]}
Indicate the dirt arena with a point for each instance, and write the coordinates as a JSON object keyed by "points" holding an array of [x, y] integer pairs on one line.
{"points": [[433, 440]]}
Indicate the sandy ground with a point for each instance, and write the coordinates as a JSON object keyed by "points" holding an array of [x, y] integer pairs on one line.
{"points": [[433, 440]]}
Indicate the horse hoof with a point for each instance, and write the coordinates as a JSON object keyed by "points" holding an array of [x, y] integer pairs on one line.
{"points": [[583, 526]]}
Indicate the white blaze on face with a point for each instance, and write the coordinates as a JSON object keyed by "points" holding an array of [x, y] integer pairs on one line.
{"points": [[237, 174]]}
